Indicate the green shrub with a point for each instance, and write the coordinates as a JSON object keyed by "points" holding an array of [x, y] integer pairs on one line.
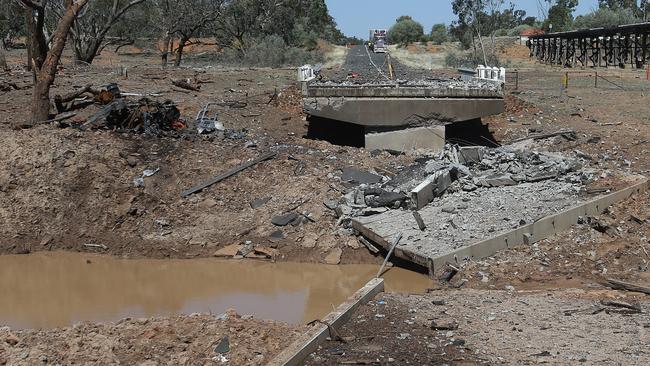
{"points": [[270, 51]]}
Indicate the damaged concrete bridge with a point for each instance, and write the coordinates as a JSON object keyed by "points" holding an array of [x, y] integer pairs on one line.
{"points": [[403, 115], [469, 203]]}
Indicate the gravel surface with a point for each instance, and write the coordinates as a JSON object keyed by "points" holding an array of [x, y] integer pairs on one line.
{"points": [[360, 64], [569, 327]]}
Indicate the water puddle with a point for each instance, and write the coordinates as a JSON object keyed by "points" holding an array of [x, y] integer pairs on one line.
{"points": [[46, 290]]}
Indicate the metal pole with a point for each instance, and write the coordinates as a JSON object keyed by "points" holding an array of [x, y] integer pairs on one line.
{"points": [[392, 247], [596, 80], [517, 78]]}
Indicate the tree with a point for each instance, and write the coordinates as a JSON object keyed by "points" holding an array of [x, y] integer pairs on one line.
{"points": [[177, 22], [300, 23], [560, 15], [439, 33], [618, 4], [11, 23], [194, 17], [45, 71], [606, 17], [90, 29], [405, 31]]}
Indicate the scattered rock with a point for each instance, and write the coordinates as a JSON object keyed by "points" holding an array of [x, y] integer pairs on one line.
{"points": [[278, 234], [223, 346], [47, 240], [449, 209], [11, 339], [259, 202], [229, 251], [284, 220], [444, 325], [310, 240], [334, 256]]}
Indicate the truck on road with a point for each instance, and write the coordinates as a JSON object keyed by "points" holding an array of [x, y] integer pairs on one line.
{"points": [[378, 40]]}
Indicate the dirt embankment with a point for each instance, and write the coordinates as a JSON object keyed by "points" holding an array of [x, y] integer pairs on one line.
{"points": [[185, 340], [74, 190]]}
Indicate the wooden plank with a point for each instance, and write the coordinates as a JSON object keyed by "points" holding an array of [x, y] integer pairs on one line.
{"points": [[227, 174], [620, 285], [299, 350]]}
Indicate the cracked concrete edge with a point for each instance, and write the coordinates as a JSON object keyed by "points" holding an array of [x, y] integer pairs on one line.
{"points": [[527, 234], [300, 349]]}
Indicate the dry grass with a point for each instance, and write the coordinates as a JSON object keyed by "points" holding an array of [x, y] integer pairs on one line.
{"points": [[335, 56], [424, 56]]}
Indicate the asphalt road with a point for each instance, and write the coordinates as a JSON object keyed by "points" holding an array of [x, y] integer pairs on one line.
{"points": [[369, 67]]}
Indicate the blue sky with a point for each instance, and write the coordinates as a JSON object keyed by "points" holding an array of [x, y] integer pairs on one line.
{"points": [[355, 17]]}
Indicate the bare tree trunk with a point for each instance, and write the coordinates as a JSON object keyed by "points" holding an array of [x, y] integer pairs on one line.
{"points": [[3, 60], [480, 40], [86, 53], [28, 15], [164, 53], [35, 18], [47, 72], [179, 51]]}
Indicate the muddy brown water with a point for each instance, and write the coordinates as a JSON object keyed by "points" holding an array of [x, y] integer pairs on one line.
{"points": [[47, 290]]}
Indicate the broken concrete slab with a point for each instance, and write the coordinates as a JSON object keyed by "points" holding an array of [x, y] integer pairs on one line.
{"points": [[359, 176], [494, 220], [386, 199], [470, 154], [419, 138]]}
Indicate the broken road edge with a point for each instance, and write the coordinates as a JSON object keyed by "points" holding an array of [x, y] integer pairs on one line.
{"points": [[527, 234], [300, 349]]}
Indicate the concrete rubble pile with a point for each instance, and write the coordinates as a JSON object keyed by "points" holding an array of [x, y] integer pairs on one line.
{"points": [[426, 83], [457, 173]]}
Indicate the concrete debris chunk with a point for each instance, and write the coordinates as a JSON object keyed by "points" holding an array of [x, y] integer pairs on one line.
{"points": [[359, 176], [284, 220], [499, 181], [386, 199], [469, 155]]}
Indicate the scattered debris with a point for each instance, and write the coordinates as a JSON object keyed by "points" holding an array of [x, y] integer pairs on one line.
{"points": [[621, 285], [259, 202], [205, 124], [360, 176], [286, 219], [144, 116], [185, 84], [227, 174], [100, 246]]}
